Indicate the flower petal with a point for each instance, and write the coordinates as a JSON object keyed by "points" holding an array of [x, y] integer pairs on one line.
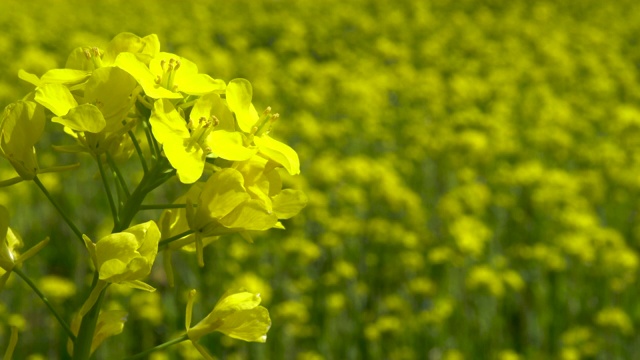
{"points": [[188, 162], [239, 93], [85, 117], [279, 152], [56, 97], [166, 122], [136, 68], [289, 203], [229, 145]]}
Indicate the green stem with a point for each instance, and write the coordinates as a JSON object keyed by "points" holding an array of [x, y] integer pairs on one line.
{"points": [[82, 346], [153, 146], [107, 189], [46, 302], [66, 218], [151, 180], [159, 347], [139, 151], [116, 171], [167, 241], [162, 206], [11, 181]]}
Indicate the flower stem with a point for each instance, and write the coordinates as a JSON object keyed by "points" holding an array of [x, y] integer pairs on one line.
{"points": [[66, 218], [13, 340], [46, 302], [162, 206], [159, 347], [151, 180], [82, 346], [116, 171], [139, 151], [107, 189], [167, 241]]}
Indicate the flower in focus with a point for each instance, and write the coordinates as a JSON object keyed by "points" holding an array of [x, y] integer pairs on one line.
{"points": [[237, 314], [167, 75], [126, 257]]}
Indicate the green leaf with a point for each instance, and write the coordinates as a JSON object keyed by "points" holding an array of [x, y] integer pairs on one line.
{"points": [[239, 94], [279, 152], [55, 97], [85, 117]]}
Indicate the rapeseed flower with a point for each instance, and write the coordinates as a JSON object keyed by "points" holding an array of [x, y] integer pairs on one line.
{"points": [[237, 314]]}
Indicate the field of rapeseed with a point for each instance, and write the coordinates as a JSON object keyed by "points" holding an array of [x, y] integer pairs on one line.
{"points": [[472, 168]]}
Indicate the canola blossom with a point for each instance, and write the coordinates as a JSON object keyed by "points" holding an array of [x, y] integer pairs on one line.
{"points": [[132, 98], [237, 314]]}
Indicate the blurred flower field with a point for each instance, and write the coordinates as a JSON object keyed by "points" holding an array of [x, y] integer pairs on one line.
{"points": [[473, 173]]}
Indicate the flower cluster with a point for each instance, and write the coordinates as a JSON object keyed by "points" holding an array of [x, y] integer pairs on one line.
{"points": [[196, 127]]}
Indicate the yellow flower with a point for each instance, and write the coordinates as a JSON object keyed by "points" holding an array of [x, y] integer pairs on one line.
{"points": [[237, 314], [21, 126], [126, 257]]}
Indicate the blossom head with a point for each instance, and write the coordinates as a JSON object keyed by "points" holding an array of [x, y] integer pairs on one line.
{"points": [[237, 314], [21, 126], [126, 257]]}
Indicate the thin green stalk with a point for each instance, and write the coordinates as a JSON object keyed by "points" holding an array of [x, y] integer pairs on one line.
{"points": [[162, 206], [66, 218], [44, 299], [139, 151], [116, 171], [151, 180], [10, 182], [167, 241], [159, 347], [153, 146], [82, 346], [107, 189]]}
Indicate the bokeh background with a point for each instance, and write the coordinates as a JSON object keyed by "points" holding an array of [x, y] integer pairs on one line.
{"points": [[473, 169]]}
